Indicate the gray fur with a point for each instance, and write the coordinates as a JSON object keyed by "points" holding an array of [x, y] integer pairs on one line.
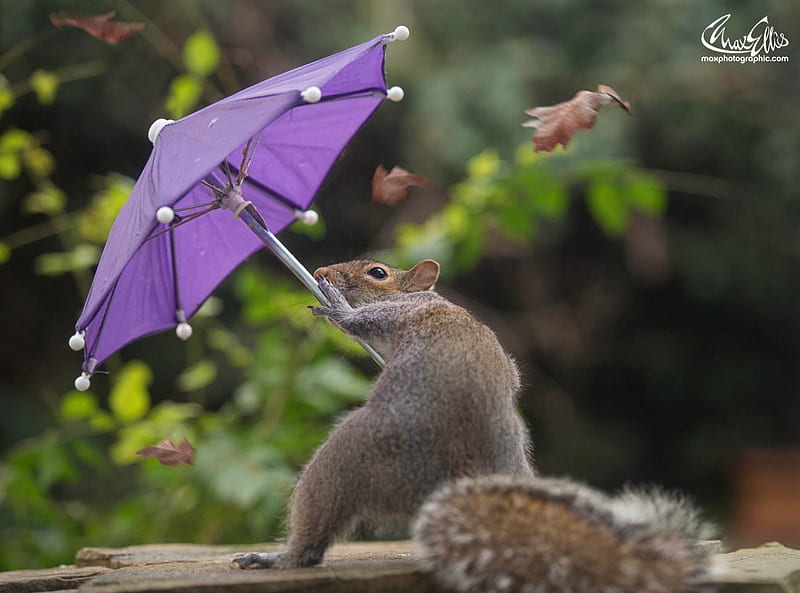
{"points": [[443, 408], [504, 534]]}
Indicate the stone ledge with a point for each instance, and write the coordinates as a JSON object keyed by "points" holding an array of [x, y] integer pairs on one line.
{"points": [[374, 567], [49, 579], [766, 569]]}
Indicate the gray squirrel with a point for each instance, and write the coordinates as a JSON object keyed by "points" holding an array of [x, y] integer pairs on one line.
{"points": [[440, 439], [443, 408]]}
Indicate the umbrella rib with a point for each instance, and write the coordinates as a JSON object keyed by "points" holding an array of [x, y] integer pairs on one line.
{"points": [[195, 206], [89, 355], [367, 92], [183, 221], [174, 258]]}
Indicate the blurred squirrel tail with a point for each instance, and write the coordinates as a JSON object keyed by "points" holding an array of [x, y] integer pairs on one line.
{"points": [[550, 535]]}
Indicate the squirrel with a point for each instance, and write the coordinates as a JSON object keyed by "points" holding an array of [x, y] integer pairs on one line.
{"points": [[443, 408], [552, 535], [439, 442]]}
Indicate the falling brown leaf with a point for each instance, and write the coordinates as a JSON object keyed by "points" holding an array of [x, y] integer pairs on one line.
{"points": [[557, 124], [391, 188], [168, 454], [100, 26]]}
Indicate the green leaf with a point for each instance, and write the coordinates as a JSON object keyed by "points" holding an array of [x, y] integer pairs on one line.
{"points": [[470, 248], [131, 439], [45, 85], [551, 200], [201, 54], [647, 194], [54, 264], [456, 220], [89, 454], [5, 253], [608, 207], [325, 383], [184, 93], [485, 164], [168, 415], [39, 161], [102, 422], [15, 140], [10, 166], [94, 221], [78, 405], [525, 156], [197, 376], [129, 399], [53, 464], [49, 200], [211, 307], [516, 221]]}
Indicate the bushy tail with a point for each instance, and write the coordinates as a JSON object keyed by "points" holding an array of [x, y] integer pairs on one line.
{"points": [[544, 535]]}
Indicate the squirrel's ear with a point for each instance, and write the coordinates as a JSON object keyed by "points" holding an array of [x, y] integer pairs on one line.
{"points": [[422, 276]]}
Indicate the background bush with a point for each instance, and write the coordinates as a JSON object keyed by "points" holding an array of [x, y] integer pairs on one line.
{"points": [[645, 279]]}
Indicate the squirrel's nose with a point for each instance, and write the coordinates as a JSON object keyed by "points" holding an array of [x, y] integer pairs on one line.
{"points": [[320, 273]]}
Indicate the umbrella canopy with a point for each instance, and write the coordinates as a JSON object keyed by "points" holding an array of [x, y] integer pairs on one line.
{"points": [[272, 145]]}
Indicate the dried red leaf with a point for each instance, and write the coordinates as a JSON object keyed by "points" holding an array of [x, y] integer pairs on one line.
{"points": [[391, 188], [557, 124], [100, 26], [168, 454]]}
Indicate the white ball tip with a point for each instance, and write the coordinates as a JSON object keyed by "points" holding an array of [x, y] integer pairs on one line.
{"points": [[312, 94], [395, 94], [309, 217], [82, 383], [156, 127], [77, 342], [401, 33], [184, 331], [165, 215]]}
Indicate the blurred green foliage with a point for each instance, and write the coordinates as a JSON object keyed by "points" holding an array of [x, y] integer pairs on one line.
{"points": [[80, 482], [644, 279]]}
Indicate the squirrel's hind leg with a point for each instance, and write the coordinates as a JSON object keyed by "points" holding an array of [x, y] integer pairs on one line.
{"points": [[257, 559]]}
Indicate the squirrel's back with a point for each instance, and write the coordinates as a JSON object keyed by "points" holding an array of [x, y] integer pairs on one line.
{"points": [[542, 535]]}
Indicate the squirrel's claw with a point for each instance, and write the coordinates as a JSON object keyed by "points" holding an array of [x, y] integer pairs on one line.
{"points": [[320, 311], [335, 297]]}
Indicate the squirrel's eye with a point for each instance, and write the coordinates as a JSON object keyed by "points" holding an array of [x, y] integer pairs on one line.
{"points": [[378, 273]]}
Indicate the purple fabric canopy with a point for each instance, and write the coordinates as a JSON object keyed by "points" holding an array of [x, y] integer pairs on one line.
{"points": [[149, 272]]}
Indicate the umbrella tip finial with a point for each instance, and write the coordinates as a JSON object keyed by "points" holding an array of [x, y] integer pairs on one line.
{"points": [[312, 94], [401, 33], [77, 341], [156, 127], [165, 215], [184, 331], [307, 217], [82, 383], [395, 94]]}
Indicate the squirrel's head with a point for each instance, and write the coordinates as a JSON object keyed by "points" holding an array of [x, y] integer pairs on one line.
{"points": [[365, 281]]}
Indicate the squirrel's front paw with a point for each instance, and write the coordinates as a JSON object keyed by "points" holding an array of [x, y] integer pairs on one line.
{"points": [[335, 297], [321, 311]]}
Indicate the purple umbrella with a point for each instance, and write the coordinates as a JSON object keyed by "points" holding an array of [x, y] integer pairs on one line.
{"points": [[262, 154]]}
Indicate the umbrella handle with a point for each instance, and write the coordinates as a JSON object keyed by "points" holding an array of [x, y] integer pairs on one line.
{"points": [[253, 220]]}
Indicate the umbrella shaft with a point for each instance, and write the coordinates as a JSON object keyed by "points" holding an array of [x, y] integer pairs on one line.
{"points": [[290, 261]]}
